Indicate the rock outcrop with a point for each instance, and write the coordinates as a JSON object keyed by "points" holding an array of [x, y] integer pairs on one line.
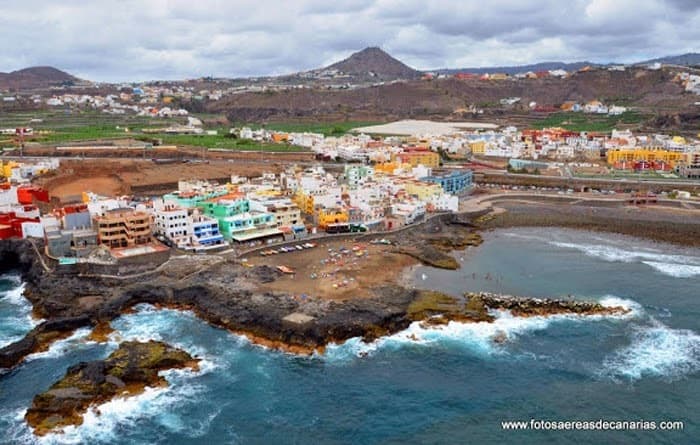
{"points": [[127, 371]]}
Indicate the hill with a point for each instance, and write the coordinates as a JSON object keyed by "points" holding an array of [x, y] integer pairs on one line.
{"points": [[688, 59], [648, 92], [515, 69], [373, 63], [35, 77]]}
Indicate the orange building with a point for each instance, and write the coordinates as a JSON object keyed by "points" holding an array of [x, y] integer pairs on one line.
{"points": [[124, 228], [416, 156]]}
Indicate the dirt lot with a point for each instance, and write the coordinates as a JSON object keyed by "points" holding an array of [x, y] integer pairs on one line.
{"points": [[116, 177], [326, 271]]}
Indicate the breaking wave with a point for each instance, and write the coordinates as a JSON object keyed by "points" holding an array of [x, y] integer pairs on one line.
{"points": [[675, 270], [655, 351], [483, 338], [15, 312], [679, 266], [76, 340], [151, 323], [105, 423]]}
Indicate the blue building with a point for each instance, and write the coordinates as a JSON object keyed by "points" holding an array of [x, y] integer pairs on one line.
{"points": [[453, 181]]}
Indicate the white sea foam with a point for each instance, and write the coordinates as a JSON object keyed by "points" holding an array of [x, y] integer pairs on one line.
{"points": [[656, 351], [679, 266], [15, 296], [102, 424], [477, 337], [61, 347], [151, 323], [614, 301], [675, 270]]}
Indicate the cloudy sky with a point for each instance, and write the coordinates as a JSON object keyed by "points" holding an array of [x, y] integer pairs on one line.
{"points": [[117, 40]]}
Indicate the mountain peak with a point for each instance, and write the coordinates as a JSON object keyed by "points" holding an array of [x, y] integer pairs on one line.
{"points": [[35, 77], [374, 62]]}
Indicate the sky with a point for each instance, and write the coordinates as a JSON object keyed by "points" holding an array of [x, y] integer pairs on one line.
{"points": [[137, 40]]}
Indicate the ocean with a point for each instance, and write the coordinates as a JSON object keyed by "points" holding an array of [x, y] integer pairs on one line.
{"points": [[440, 385]]}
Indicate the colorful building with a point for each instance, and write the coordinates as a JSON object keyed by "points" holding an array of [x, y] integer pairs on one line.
{"points": [[418, 156], [477, 147], [331, 216], [424, 191], [225, 206], [454, 182], [249, 226], [625, 158]]}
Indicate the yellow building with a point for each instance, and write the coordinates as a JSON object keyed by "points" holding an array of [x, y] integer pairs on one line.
{"points": [[423, 190], [386, 168], [331, 216], [498, 76], [7, 168], [418, 157], [304, 202], [644, 154], [478, 147], [680, 140]]}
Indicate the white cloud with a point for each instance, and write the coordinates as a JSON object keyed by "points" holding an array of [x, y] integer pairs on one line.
{"points": [[157, 39]]}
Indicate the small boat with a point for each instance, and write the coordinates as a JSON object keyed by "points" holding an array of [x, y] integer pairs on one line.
{"points": [[285, 269]]}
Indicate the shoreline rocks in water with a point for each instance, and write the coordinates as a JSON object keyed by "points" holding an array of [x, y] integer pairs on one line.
{"points": [[435, 308], [126, 372], [228, 295]]}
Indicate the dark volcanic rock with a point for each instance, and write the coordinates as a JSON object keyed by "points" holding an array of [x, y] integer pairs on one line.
{"points": [[127, 371], [40, 338]]}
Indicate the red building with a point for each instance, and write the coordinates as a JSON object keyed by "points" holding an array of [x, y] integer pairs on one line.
{"points": [[11, 225], [26, 194]]}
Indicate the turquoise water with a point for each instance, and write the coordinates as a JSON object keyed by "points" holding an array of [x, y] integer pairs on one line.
{"points": [[449, 385]]}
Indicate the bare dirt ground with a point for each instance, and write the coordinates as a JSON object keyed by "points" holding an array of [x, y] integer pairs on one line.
{"points": [[328, 272], [117, 177]]}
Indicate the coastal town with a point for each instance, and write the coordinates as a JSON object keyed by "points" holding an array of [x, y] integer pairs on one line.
{"points": [[375, 184], [228, 223]]}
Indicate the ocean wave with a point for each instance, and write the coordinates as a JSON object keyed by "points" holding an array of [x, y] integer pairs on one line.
{"points": [[656, 351], [16, 315], [479, 338], [675, 270], [15, 296], [105, 423], [679, 266], [61, 347], [635, 309], [151, 323]]}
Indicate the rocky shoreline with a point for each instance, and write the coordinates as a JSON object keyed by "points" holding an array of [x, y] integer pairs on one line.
{"points": [[126, 372], [226, 295]]}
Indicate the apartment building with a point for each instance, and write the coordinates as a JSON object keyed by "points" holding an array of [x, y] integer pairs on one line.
{"points": [[285, 212], [454, 181], [417, 155], [127, 227], [173, 223]]}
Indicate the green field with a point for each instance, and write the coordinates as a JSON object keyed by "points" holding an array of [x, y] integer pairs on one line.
{"points": [[222, 142], [63, 127], [589, 122]]}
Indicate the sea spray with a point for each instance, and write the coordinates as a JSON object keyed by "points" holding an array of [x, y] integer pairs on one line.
{"points": [[482, 338], [655, 350], [15, 311]]}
